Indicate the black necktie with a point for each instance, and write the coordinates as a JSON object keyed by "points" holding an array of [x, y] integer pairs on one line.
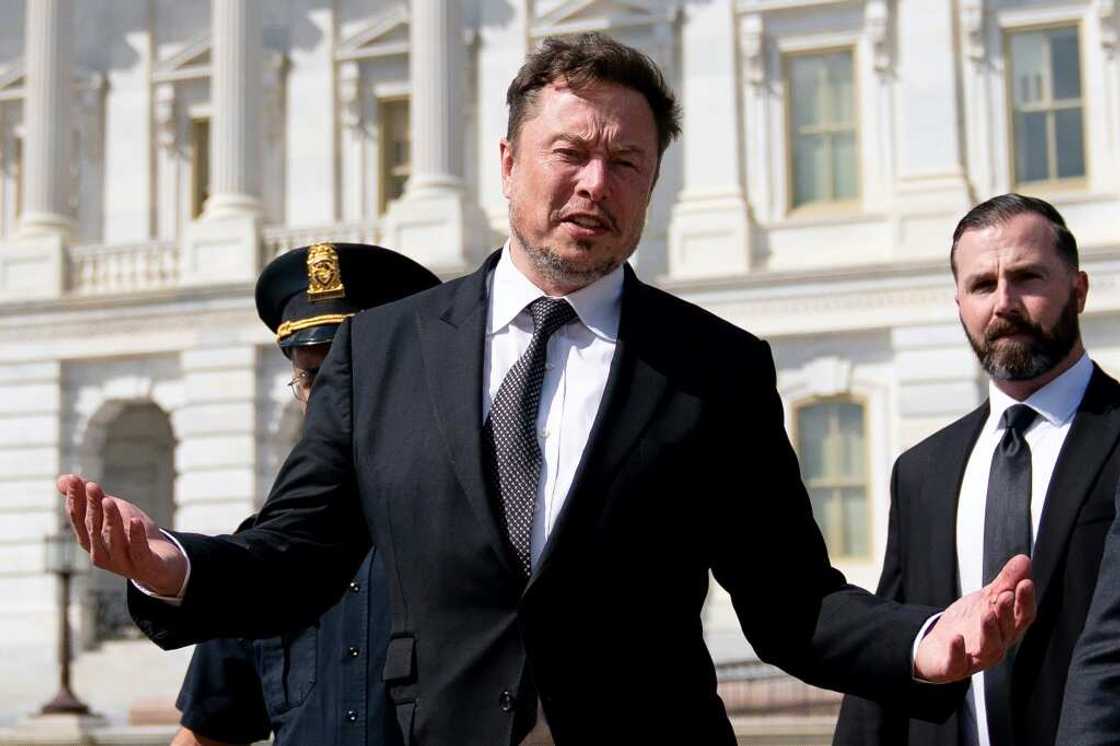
{"points": [[511, 429], [1007, 532]]}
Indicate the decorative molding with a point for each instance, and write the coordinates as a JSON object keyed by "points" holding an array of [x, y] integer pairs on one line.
{"points": [[752, 46], [192, 62], [1110, 37], [164, 107], [350, 94], [877, 26], [380, 37], [972, 28], [575, 16]]}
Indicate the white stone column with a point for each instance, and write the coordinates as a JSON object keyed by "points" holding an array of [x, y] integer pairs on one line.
{"points": [[223, 245], [709, 233], [932, 191], [435, 221], [32, 265], [49, 93], [235, 95]]}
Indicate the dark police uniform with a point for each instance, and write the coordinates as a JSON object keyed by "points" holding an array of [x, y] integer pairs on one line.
{"points": [[321, 684]]}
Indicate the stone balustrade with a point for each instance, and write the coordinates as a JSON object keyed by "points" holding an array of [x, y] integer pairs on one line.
{"points": [[278, 239], [104, 269]]}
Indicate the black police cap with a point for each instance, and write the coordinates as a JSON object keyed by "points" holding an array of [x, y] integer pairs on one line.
{"points": [[304, 294]]}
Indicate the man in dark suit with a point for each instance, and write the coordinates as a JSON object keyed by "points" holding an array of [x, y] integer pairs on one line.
{"points": [[552, 456], [1019, 291], [1091, 709]]}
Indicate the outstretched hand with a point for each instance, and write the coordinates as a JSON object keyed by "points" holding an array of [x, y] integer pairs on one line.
{"points": [[976, 631], [121, 538]]}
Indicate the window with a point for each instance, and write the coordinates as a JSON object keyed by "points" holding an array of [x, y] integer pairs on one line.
{"points": [[1047, 108], [822, 128], [200, 164], [396, 163], [833, 452]]}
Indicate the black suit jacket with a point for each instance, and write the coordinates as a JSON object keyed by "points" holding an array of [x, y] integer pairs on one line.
{"points": [[920, 565], [687, 470], [1091, 710]]}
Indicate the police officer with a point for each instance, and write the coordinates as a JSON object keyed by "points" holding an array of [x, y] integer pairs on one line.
{"points": [[322, 684]]}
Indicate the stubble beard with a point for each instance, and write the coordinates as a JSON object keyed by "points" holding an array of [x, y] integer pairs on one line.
{"points": [[558, 271], [1014, 360]]}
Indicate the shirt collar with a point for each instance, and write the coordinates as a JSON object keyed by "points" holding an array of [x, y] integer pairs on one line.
{"points": [[1057, 401], [598, 305]]}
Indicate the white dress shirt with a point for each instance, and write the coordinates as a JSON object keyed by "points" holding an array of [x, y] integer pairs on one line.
{"points": [[1056, 404], [578, 360]]}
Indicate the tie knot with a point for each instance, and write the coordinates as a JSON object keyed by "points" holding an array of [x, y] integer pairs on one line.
{"points": [[1018, 417], [549, 314]]}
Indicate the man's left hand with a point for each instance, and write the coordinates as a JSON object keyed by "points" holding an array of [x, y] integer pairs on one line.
{"points": [[977, 630]]}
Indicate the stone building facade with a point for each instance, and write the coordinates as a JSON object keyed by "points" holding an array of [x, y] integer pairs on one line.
{"points": [[155, 154]]}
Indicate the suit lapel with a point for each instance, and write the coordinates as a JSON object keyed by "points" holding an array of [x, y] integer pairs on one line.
{"points": [[633, 391], [1092, 436], [452, 340], [941, 498]]}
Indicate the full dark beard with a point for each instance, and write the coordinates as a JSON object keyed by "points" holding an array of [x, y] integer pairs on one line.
{"points": [[551, 266], [1015, 360]]}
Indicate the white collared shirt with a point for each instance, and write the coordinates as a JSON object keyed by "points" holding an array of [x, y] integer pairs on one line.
{"points": [[578, 360], [1056, 404]]}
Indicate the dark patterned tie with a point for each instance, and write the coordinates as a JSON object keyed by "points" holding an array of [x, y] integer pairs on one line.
{"points": [[1007, 532], [511, 429]]}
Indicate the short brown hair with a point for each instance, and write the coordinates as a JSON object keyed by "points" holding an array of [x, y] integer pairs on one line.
{"points": [[583, 60], [998, 210]]}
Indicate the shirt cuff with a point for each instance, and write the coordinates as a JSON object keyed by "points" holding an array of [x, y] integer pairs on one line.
{"points": [[913, 650], [177, 599]]}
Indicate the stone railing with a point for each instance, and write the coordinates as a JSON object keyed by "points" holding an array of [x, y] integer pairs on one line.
{"points": [[275, 240], [100, 269]]}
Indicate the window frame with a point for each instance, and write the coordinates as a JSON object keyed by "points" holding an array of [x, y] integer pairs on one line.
{"points": [[199, 162], [384, 103], [1043, 186], [826, 206], [868, 481]]}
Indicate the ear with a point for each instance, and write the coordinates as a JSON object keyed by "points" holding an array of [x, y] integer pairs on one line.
{"points": [[1081, 289], [505, 148]]}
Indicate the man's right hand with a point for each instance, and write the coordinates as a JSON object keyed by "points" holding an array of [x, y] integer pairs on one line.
{"points": [[121, 538]]}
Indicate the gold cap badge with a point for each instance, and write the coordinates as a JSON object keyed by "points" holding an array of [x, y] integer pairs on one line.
{"points": [[324, 280]]}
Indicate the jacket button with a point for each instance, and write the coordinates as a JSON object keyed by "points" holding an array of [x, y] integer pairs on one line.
{"points": [[354, 587], [505, 700], [352, 651], [351, 716]]}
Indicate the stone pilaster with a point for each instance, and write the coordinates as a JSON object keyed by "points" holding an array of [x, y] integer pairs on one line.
{"points": [[932, 191], [215, 458], [436, 221], [709, 232]]}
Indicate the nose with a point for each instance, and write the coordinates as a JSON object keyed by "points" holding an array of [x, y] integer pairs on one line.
{"points": [[592, 184], [1007, 301]]}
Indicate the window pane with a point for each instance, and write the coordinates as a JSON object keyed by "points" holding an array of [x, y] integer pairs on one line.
{"points": [[812, 427], [1028, 66], [821, 500], [1030, 147], [806, 74], [1065, 64], [839, 68], [845, 177], [810, 163], [854, 508], [1071, 149], [850, 424]]}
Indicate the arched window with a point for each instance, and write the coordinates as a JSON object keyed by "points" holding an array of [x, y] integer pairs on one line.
{"points": [[832, 446], [137, 461]]}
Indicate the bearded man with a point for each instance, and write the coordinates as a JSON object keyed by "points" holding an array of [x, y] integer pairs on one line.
{"points": [[1032, 471]]}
